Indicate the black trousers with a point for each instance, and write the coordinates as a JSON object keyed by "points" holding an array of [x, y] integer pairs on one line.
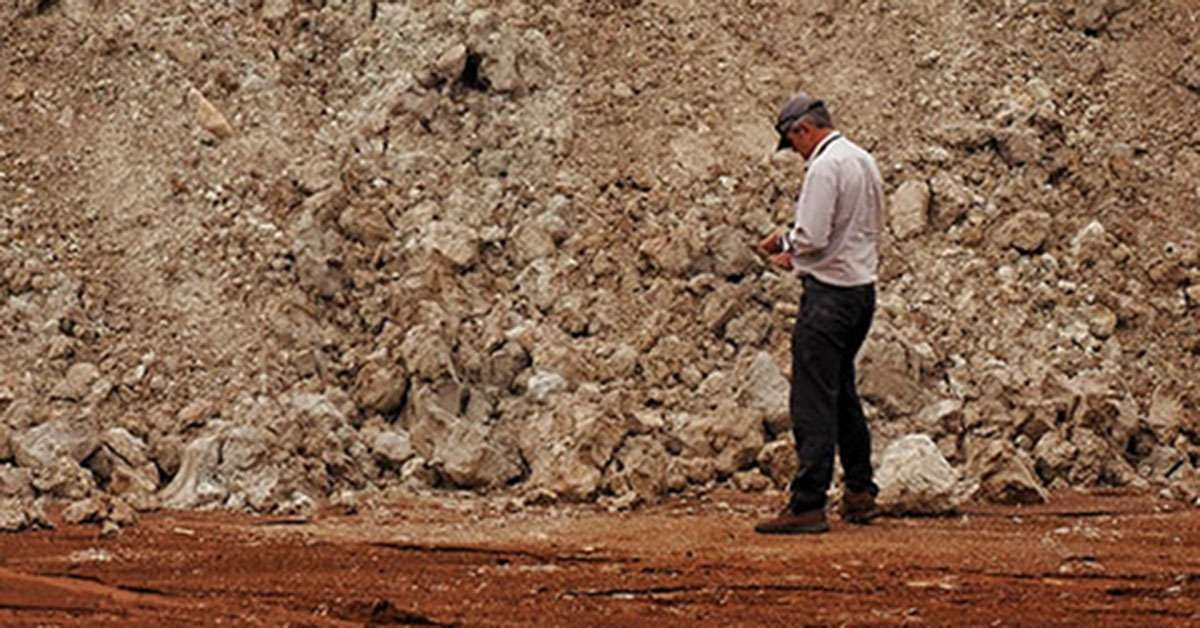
{"points": [[826, 412]]}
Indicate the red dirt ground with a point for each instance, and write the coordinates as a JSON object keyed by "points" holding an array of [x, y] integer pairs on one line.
{"points": [[1103, 560]]}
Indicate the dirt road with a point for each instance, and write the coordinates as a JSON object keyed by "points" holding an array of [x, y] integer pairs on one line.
{"points": [[1081, 559]]}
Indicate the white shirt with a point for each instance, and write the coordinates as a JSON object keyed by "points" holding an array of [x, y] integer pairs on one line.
{"points": [[839, 215]]}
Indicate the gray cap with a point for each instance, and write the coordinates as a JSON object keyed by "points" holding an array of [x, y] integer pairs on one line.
{"points": [[795, 108]]}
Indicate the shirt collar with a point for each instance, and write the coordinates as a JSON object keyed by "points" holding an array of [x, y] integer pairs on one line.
{"points": [[824, 144]]}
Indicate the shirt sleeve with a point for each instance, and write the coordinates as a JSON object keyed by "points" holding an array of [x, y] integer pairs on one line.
{"points": [[814, 213]]}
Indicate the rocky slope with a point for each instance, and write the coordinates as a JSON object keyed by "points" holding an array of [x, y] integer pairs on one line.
{"points": [[259, 255]]}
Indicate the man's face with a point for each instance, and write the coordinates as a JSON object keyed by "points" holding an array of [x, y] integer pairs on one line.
{"points": [[803, 139]]}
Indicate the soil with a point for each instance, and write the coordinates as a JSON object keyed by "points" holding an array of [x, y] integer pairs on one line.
{"points": [[1100, 559]]}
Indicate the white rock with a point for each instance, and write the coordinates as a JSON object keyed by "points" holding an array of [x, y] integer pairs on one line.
{"points": [[130, 448], [42, 445], [545, 383], [195, 484], [909, 213], [765, 390], [393, 447], [915, 479]]}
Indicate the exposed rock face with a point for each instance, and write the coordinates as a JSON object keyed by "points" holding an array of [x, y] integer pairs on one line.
{"points": [[433, 246], [914, 479]]}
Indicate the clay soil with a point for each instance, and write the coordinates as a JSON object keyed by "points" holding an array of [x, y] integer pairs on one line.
{"points": [[1103, 560]]}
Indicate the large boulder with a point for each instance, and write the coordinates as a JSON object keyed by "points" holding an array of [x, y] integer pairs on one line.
{"points": [[910, 209], [41, 446], [1053, 457], [470, 459], [380, 387], [569, 445], [729, 434], [230, 467], [639, 468], [915, 479], [764, 390], [393, 448]]}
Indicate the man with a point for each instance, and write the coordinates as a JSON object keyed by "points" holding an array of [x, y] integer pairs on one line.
{"points": [[833, 246]]}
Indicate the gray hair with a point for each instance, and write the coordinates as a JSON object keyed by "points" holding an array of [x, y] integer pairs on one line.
{"points": [[818, 116]]}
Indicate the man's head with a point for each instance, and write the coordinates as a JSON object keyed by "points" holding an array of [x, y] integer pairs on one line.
{"points": [[802, 124]]}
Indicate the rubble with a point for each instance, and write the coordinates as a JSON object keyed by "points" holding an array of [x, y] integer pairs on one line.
{"points": [[443, 250]]}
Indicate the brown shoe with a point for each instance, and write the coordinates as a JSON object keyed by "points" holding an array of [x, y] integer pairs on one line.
{"points": [[859, 508], [807, 522]]}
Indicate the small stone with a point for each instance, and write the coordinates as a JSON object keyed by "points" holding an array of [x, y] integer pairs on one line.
{"points": [[209, 117], [15, 482], [1193, 295], [366, 224], [545, 383], [12, 515], [1102, 322], [1019, 147], [276, 9], [121, 513], [393, 448], [531, 242], [195, 414], [910, 209], [450, 65], [84, 511], [731, 255], [458, 243], [1025, 231], [109, 529], [16, 90], [78, 382], [751, 481]]}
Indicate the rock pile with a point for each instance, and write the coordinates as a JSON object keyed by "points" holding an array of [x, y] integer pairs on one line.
{"points": [[473, 246]]}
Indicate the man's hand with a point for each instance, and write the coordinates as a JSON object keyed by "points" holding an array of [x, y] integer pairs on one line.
{"points": [[782, 261], [772, 244]]}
